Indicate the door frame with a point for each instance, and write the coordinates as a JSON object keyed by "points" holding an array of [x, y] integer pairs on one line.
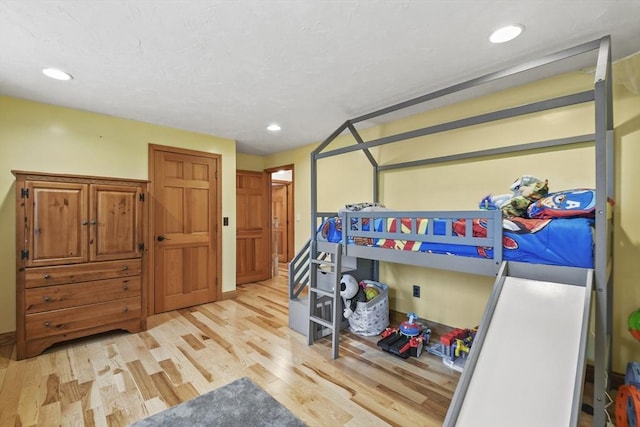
{"points": [[291, 204], [217, 228]]}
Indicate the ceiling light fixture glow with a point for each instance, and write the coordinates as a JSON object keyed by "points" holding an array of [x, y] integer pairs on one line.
{"points": [[273, 127], [54, 73], [506, 34]]}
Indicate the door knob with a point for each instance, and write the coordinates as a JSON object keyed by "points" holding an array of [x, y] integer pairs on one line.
{"points": [[161, 238]]}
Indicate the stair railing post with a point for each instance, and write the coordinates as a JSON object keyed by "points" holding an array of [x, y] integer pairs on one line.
{"points": [[336, 315], [312, 296]]}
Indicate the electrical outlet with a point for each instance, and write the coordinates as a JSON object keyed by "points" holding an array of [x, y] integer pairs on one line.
{"points": [[416, 291]]}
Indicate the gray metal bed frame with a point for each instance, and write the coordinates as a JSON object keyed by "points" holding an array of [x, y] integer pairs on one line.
{"points": [[600, 96]]}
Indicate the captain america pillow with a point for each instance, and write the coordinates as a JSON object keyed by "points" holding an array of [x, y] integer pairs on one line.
{"points": [[565, 204]]}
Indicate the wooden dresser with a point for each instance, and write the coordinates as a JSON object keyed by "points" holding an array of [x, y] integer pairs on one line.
{"points": [[80, 262]]}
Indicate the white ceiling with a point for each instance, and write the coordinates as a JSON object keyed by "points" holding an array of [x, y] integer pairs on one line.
{"points": [[228, 68]]}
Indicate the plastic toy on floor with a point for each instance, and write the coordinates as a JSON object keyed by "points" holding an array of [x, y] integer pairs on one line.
{"points": [[454, 347], [409, 339]]}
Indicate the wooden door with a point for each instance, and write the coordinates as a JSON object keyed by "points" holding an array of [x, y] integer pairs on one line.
{"points": [[115, 222], [280, 220], [253, 227], [56, 223], [186, 228]]}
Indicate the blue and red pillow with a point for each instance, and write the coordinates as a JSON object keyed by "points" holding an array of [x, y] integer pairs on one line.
{"points": [[565, 204]]}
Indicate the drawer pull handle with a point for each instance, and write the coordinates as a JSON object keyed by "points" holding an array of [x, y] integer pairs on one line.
{"points": [[125, 309], [47, 276], [47, 298], [125, 287], [125, 267], [47, 324], [85, 222]]}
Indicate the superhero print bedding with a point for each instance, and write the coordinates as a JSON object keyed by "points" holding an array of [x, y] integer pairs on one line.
{"points": [[560, 241]]}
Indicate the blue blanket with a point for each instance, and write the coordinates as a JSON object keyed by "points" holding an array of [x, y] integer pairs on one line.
{"points": [[567, 242]]}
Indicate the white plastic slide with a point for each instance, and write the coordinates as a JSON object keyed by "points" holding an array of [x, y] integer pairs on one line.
{"points": [[526, 365]]}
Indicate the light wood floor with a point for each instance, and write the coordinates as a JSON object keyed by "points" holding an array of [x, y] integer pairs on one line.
{"points": [[118, 378]]}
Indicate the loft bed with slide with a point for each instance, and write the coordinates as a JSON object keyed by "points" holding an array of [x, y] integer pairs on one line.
{"points": [[575, 254]]}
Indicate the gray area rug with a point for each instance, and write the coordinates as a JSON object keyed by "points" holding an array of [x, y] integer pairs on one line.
{"points": [[240, 403]]}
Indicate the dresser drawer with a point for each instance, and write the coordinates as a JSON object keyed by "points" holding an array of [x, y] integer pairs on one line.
{"points": [[60, 274], [68, 320], [56, 297]]}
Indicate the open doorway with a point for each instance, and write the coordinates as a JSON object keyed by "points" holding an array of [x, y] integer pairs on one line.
{"points": [[282, 220]]}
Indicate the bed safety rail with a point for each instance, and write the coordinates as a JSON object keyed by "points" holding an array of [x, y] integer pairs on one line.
{"points": [[467, 241]]}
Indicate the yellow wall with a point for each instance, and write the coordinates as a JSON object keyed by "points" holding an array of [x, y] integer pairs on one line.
{"points": [[459, 299], [626, 273], [249, 162], [39, 137], [302, 184]]}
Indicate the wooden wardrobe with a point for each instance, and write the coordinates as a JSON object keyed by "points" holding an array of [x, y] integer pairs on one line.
{"points": [[80, 258]]}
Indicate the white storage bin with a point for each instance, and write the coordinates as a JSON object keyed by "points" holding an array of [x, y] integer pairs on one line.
{"points": [[371, 317]]}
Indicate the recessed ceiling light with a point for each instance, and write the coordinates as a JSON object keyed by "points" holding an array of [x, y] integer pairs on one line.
{"points": [[273, 127], [506, 34], [56, 74]]}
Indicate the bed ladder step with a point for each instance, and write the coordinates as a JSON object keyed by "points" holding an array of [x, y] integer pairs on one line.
{"points": [[324, 286], [321, 321], [322, 292]]}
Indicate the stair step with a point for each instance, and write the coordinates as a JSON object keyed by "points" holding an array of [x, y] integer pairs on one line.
{"points": [[322, 322], [322, 292], [322, 262]]}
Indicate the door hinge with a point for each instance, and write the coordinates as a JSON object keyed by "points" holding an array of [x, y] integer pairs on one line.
{"points": [[142, 197], [24, 254], [141, 247], [24, 193]]}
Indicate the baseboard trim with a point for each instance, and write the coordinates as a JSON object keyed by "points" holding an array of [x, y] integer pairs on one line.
{"points": [[7, 338], [229, 295]]}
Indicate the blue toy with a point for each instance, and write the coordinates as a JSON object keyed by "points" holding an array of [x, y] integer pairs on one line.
{"points": [[409, 327]]}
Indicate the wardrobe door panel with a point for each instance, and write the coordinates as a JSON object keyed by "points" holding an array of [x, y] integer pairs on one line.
{"points": [[56, 223], [115, 224]]}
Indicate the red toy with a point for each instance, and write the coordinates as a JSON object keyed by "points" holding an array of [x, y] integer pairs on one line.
{"points": [[407, 340], [454, 347]]}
